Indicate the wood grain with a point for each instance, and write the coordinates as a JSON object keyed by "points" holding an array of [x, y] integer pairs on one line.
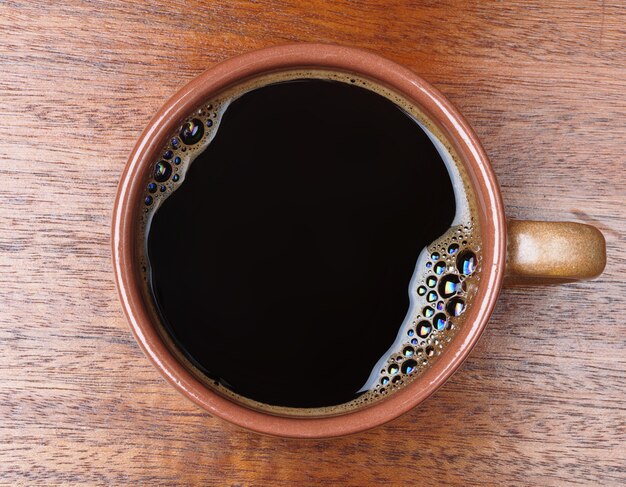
{"points": [[541, 401]]}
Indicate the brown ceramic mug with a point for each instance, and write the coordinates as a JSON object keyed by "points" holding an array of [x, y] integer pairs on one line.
{"points": [[521, 251]]}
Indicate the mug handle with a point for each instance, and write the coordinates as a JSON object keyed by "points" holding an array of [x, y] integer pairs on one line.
{"points": [[553, 252]]}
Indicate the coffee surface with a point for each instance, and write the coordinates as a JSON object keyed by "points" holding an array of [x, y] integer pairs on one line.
{"points": [[281, 264]]}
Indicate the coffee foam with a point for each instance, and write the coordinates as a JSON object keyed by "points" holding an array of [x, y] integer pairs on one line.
{"points": [[430, 322]]}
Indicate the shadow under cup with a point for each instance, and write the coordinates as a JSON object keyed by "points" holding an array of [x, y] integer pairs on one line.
{"points": [[443, 120]]}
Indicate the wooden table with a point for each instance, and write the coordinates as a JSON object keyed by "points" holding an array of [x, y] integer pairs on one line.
{"points": [[541, 401]]}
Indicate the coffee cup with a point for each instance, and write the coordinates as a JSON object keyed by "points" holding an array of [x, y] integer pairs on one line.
{"points": [[511, 252]]}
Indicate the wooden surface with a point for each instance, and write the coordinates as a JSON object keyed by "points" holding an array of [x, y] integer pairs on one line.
{"points": [[541, 401]]}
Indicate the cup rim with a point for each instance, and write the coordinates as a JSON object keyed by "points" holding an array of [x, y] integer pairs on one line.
{"points": [[326, 56]]}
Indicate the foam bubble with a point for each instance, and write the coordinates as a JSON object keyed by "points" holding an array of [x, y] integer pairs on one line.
{"points": [[466, 262], [450, 284], [456, 307], [192, 131], [440, 268]]}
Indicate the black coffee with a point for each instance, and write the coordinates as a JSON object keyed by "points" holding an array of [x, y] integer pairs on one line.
{"points": [[280, 265]]}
